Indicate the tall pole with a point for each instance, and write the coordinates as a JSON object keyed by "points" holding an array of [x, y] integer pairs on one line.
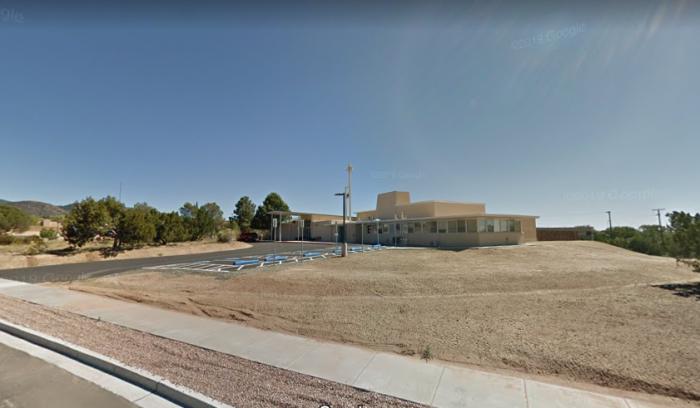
{"points": [[344, 251], [377, 232], [349, 170], [120, 191], [661, 228], [345, 230], [272, 228], [362, 234], [610, 222]]}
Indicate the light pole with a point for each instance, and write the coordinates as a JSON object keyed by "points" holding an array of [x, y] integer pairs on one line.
{"points": [[362, 234], [378, 231], [301, 221], [344, 252], [274, 225]]}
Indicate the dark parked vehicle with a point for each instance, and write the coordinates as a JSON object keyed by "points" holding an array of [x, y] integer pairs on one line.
{"points": [[250, 237]]}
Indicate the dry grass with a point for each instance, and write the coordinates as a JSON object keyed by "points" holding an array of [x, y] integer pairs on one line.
{"points": [[580, 311]]}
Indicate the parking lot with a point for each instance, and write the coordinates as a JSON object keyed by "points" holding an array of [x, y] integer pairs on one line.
{"points": [[236, 264]]}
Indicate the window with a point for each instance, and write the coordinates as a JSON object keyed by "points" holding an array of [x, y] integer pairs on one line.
{"points": [[409, 228], [369, 229], [418, 227], [489, 224], [496, 225], [482, 225], [511, 225], [442, 227], [452, 226], [461, 226], [504, 225], [433, 227], [471, 225], [518, 227], [391, 229]]}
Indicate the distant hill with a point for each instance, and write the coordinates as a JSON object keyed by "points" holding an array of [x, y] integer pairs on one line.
{"points": [[38, 208]]}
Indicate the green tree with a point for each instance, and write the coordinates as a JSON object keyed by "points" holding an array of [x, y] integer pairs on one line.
{"points": [[85, 220], [273, 202], [136, 225], [170, 228], [188, 212], [13, 219], [113, 225], [685, 228], [48, 233], [244, 213], [201, 221]]}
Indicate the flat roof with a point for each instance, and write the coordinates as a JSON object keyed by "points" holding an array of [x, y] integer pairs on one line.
{"points": [[440, 201], [447, 217], [275, 212]]}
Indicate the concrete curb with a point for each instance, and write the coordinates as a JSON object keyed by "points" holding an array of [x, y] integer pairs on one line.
{"points": [[149, 382]]}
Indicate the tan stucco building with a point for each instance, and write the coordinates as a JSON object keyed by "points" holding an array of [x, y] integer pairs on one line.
{"points": [[396, 220]]}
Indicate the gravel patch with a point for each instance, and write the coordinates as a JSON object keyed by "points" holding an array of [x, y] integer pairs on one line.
{"points": [[235, 381]]}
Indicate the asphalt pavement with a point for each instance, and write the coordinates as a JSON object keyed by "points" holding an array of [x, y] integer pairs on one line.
{"points": [[27, 381], [86, 270]]}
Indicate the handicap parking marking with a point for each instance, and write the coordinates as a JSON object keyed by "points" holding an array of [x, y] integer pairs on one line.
{"points": [[239, 263]]}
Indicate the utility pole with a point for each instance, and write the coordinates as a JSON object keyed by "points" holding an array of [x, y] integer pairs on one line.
{"points": [[661, 228], [610, 222], [349, 192], [344, 250]]}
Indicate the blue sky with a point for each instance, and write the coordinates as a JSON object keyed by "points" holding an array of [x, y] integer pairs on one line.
{"points": [[446, 100]]}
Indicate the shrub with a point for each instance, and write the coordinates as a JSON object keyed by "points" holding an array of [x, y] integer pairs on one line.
{"points": [[225, 236], [36, 248], [10, 240], [427, 354], [48, 233]]}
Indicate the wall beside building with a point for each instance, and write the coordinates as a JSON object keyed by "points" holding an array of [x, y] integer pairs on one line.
{"points": [[529, 228]]}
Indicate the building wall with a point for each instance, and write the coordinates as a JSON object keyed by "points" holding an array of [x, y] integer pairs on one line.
{"points": [[529, 228], [397, 205], [445, 208], [450, 239]]}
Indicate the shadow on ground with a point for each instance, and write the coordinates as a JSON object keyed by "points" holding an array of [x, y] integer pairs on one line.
{"points": [[687, 290]]}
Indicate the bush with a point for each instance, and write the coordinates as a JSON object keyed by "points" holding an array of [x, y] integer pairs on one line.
{"points": [[48, 233], [10, 240], [427, 354], [225, 236], [36, 248]]}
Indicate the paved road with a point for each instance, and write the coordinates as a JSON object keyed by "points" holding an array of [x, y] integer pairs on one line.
{"points": [[68, 272], [28, 382]]}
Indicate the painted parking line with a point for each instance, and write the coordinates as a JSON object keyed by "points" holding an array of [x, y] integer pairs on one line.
{"points": [[256, 261]]}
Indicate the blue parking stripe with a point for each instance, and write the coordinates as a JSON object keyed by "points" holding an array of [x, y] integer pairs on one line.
{"points": [[246, 262]]}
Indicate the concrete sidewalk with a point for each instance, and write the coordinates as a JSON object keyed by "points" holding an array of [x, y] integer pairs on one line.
{"points": [[435, 384]]}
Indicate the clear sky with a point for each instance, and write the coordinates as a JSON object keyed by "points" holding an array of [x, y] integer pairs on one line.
{"points": [[549, 109]]}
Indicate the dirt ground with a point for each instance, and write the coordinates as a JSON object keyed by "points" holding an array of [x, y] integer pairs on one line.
{"points": [[12, 256], [577, 311]]}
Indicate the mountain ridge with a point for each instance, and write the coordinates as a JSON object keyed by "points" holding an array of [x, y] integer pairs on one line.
{"points": [[39, 208]]}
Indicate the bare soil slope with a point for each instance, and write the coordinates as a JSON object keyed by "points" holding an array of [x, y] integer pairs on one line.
{"points": [[581, 311]]}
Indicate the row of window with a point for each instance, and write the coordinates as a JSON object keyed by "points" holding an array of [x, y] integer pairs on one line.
{"points": [[447, 226]]}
